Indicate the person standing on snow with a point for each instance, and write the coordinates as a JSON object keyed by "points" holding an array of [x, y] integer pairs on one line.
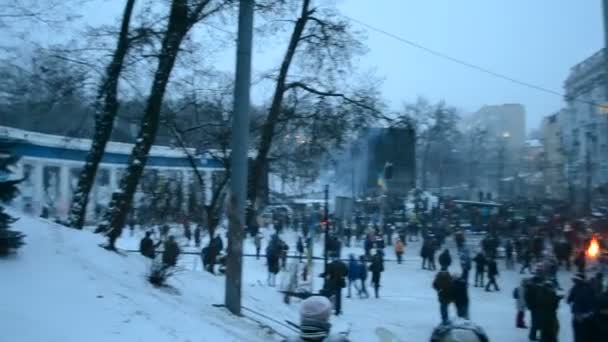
{"points": [[465, 263], [580, 262], [300, 248], [257, 241], [335, 282], [431, 254], [519, 294], [509, 255], [376, 267], [532, 288], [460, 295], [197, 235], [399, 250], [480, 265], [443, 285], [582, 302], [362, 275], [424, 254], [492, 274], [548, 302], [353, 274], [273, 255], [445, 259]]}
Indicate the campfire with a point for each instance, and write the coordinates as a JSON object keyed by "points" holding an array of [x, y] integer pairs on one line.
{"points": [[594, 248]]}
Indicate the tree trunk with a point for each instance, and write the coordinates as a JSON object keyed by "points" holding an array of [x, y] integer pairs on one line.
{"points": [[107, 107], [268, 129], [121, 201]]}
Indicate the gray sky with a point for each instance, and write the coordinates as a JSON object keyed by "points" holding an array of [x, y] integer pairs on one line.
{"points": [[536, 41], [532, 40]]}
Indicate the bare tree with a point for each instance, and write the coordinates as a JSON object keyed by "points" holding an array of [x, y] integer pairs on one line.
{"points": [[183, 15], [436, 127], [321, 45], [105, 113]]}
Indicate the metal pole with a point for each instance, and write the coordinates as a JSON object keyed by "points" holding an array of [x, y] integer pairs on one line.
{"points": [[605, 17], [326, 220], [239, 147]]}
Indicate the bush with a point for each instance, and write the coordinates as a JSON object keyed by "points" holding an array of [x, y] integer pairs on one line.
{"points": [[160, 273]]}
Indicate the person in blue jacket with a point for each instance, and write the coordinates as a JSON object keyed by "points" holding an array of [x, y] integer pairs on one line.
{"points": [[353, 274]]}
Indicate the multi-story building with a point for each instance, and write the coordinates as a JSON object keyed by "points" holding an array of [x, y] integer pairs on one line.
{"points": [[575, 139], [584, 127]]}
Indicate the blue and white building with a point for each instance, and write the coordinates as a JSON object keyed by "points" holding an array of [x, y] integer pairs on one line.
{"points": [[51, 164]]}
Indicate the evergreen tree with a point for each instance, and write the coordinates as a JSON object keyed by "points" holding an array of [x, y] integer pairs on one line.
{"points": [[9, 240]]}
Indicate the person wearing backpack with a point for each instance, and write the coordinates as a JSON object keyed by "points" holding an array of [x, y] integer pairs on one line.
{"points": [[443, 285]]}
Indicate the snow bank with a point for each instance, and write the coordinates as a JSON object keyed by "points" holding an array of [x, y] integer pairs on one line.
{"points": [[62, 287]]}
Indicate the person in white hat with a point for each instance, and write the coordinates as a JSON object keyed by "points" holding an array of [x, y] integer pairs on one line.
{"points": [[315, 312]]}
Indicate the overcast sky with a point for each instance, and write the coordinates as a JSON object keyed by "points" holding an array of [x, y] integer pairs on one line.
{"points": [[536, 41]]}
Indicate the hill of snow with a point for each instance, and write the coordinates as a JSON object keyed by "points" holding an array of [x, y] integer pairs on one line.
{"points": [[62, 287]]}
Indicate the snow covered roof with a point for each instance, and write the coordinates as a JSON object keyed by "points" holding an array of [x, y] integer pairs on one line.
{"points": [[51, 140]]}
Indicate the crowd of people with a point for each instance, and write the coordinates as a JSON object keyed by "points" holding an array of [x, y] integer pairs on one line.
{"points": [[541, 250]]}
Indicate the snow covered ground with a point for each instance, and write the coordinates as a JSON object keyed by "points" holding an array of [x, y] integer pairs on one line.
{"points": [[62, 287], [61, 277]]}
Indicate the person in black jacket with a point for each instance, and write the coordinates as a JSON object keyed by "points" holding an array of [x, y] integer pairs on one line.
{"points": [[460, 295], [376, 267], [509, 255], [146, 246], [480, 265], [273, 256], [532, 287], [362, 275], [335, 281], [171, 252], [213, 250], [582, 300], [548, 303], [431, 254], [445, 259], [300, 248], [580, 262], [601, 314], [492, 274], [197, 236], [424, 253]]}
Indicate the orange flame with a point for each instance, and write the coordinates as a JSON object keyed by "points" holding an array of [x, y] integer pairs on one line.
{"points": [[594, 248]]}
